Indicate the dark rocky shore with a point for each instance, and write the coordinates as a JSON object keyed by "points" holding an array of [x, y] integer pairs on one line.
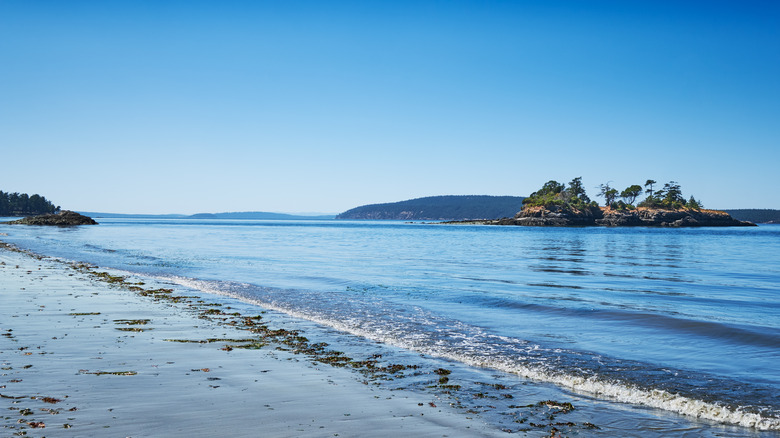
{"points": [[64, 218], [608, 217]]}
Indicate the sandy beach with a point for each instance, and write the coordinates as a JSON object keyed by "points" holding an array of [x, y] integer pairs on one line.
{"points": [[84, 354]]}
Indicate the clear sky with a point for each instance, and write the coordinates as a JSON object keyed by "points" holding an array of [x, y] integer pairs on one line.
{"points": [[320, 106]]}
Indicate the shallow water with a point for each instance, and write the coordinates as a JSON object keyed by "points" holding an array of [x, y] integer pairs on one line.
{"points": [[683, 320]]}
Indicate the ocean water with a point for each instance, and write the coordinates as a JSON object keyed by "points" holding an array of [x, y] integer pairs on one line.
{"points": [[666, 332]]}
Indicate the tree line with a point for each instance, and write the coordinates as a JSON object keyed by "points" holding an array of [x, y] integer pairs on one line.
{"points": [[22, 204], [574, 196]]}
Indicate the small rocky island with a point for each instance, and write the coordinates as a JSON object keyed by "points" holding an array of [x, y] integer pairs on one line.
{"points": [[63, 218], [560, 205], [606, 216]]}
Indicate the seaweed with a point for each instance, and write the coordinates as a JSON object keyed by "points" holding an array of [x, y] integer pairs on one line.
{"points": [[108, 278], [261, 335], [132, 321], [113, 373]]}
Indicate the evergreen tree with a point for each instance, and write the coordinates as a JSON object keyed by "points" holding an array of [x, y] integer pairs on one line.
{"points": [[630, 194], [649, 187], [5, 206], [575, 193], [671, 195], [555, 194], [693, 204], [650, 201], [608, 193], [16, 204]]}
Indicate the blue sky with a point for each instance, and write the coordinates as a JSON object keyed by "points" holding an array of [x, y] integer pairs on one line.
{"points": [[298, 106]]}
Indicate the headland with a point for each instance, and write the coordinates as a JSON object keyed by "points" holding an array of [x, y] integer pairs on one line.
{"points": [[63, 218]]}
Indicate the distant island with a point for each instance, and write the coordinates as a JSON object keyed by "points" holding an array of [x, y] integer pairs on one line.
{"points": [[756, 215], [557, 204], [436, 208], [553, 204]]}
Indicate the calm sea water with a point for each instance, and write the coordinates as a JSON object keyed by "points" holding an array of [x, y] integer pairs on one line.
{"points": [[683, 321]]}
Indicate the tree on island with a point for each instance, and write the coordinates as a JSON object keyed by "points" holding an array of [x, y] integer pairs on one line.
{"points": [[694, 204], [630, 194], [576, 192], [669, 198], [672, 195], [608, 193], [649, 187], [559, 195]]}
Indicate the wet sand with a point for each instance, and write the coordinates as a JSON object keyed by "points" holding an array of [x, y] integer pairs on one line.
{"points": [[81, 356]]}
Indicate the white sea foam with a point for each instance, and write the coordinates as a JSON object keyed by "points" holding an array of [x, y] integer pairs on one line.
{"points": [[592, 386], [654, 398]]}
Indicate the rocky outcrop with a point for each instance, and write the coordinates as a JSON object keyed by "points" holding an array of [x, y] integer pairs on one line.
{"points": [[64, 218], [670, 218], [608, 217], [553, 217]]}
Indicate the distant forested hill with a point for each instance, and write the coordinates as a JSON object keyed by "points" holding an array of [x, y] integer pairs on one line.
{"points": [[440, 208], [22, 204], [757, 216]]}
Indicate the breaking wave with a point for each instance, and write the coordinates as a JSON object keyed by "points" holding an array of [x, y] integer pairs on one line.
{"points": [[413, 328]]}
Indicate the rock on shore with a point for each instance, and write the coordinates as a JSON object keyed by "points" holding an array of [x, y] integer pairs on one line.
{"points": [[602, 216], [64, 218]]}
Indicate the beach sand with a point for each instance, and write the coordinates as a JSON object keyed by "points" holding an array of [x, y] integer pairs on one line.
{"points": [[85, 357]]}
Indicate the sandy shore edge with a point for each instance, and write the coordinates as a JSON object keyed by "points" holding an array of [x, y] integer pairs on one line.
{"points": [[83, 357]]}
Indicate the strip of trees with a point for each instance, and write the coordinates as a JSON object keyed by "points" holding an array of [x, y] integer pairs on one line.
{"points": [[16, 204], [573, 196]]}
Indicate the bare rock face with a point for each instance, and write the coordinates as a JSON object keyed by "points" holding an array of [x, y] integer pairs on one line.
{"points": [[553, 217], [64, 218], [670, 218]]}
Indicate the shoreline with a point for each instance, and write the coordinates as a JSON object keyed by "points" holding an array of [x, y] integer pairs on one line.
{"points": [[170, 336], [82, 356]]}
